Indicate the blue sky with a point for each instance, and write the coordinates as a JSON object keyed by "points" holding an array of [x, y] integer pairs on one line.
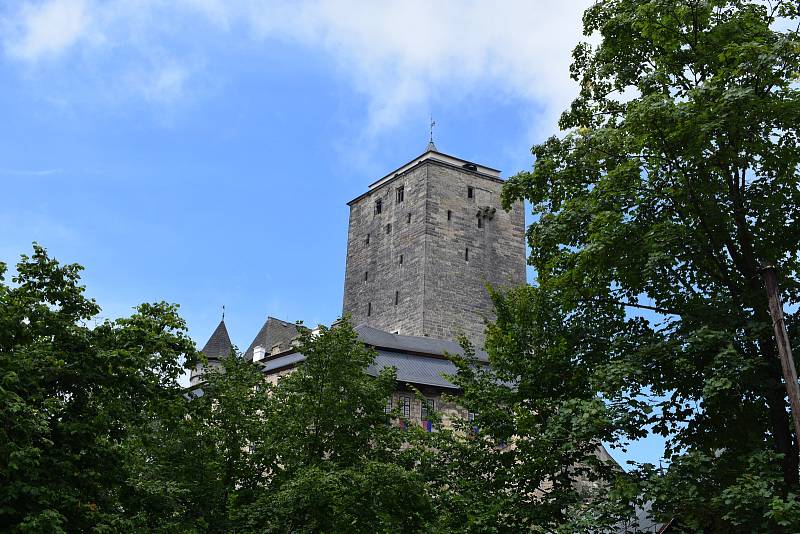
{"points": [[202, 151]]}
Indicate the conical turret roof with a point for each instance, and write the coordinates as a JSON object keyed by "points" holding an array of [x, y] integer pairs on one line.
{"points": [[219, 344]]}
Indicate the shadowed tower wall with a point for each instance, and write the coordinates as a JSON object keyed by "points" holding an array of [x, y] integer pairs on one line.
{"points": [[419, 264]]}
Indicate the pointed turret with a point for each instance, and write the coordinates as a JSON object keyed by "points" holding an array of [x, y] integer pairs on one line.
{"points": [[218, 346]]}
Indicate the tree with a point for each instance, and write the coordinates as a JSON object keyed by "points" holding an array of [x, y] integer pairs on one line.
{"points": [[677, 176], [73, 396], [332, 454], [195, 470], [530, 459]]}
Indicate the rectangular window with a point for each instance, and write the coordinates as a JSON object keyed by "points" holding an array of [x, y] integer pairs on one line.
{"points": [[405, 406], [396, 297], [449, 214], [388, 408], [470, 192], [378, 206], [408, 219], [366, 275], [366, 241], [466, 254], [428, 405], [369, 309], [401, 259], [389, 228], [401, 194], [480, 222]]}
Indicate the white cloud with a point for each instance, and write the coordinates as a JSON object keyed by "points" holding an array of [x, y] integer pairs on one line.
{"points": [[159, 83], [29, 172], [400, 55], [48, 29]]}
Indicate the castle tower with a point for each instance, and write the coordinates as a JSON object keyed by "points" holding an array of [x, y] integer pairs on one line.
{"points": [[218, 346], [422, 243]]}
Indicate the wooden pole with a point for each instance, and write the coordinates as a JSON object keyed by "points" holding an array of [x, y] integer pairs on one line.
{"points": [[784, 349]]}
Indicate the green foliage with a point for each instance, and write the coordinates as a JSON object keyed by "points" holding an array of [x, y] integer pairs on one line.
{"points": [[371, 496], [97, 435], [71, 397], [676, 178], [531, 460], [333, 460], [195, 467], [329, 409]]}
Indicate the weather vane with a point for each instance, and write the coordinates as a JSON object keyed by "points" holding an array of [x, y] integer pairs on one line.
{"points": [[433, 123], [223, 312]]}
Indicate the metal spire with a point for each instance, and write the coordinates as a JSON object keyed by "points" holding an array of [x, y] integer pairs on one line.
{"points": [[223, 312], [431, 146]]}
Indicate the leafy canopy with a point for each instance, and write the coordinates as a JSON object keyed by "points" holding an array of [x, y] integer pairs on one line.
{"points": [[676, 177], [72, 397]]}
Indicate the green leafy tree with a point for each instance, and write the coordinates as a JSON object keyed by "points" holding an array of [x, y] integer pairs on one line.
{"points": [[530, 460], [72, 396], [195, 469], [676, 177], [333, 456]]}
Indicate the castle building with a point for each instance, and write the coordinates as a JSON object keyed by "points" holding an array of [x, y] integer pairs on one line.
{"points": [[423, 243]]}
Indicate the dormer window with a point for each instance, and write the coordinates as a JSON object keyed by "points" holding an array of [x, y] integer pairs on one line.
{"points": [[400, 191], [379, 206]]}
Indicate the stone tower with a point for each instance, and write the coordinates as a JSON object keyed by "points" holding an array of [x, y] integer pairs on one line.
{"points": [[422, 243]]}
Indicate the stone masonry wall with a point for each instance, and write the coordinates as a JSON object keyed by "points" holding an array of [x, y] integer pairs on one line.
{"points": [[372, 301], [462, 257], [440, 292]]}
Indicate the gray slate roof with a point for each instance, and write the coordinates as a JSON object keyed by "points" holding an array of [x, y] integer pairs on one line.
{"points": [[417, 360], [409, 368], [415, 369], [219, 344], [274, 332], [422, 345]]}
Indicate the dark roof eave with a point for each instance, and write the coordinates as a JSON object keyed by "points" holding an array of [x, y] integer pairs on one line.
{"points": [[441, 161], [407, 382], [434, 161]]}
